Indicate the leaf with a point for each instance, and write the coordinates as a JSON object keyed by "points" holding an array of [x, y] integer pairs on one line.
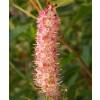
{"points": [[62, 2], [72, 80], [83, 12], [86, 54]]}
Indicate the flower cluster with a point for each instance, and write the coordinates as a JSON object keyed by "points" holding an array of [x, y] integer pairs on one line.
{"points": [[47, 68]]}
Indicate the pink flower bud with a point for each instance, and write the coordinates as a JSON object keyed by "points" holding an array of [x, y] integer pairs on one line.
{"points": [[46, 60]]}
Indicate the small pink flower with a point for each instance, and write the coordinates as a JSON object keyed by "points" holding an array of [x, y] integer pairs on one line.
{"points": [[47, 70]]}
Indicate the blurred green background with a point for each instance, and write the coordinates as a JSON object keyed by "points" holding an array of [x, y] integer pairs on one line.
{"points": [[75, 49]]}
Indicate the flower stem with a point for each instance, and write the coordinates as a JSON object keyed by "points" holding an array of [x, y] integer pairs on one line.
{"points": [[39, 4], [35, 5]]}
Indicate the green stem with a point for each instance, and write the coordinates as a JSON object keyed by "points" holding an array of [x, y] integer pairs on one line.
{"points": [[48, 98], [24, 11], [16, 70]]}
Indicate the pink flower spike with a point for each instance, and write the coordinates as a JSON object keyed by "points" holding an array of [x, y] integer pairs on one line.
{"points": [[46, 60]]}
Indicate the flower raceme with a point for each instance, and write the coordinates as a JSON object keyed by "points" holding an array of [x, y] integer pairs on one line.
{"points": [[47, 68]]}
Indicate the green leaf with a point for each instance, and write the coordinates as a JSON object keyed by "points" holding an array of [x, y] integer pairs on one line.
{"points": [[62, 2], [72, 80]]}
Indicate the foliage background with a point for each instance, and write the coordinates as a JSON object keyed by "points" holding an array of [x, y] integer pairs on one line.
{"points": [[75, 50]]}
